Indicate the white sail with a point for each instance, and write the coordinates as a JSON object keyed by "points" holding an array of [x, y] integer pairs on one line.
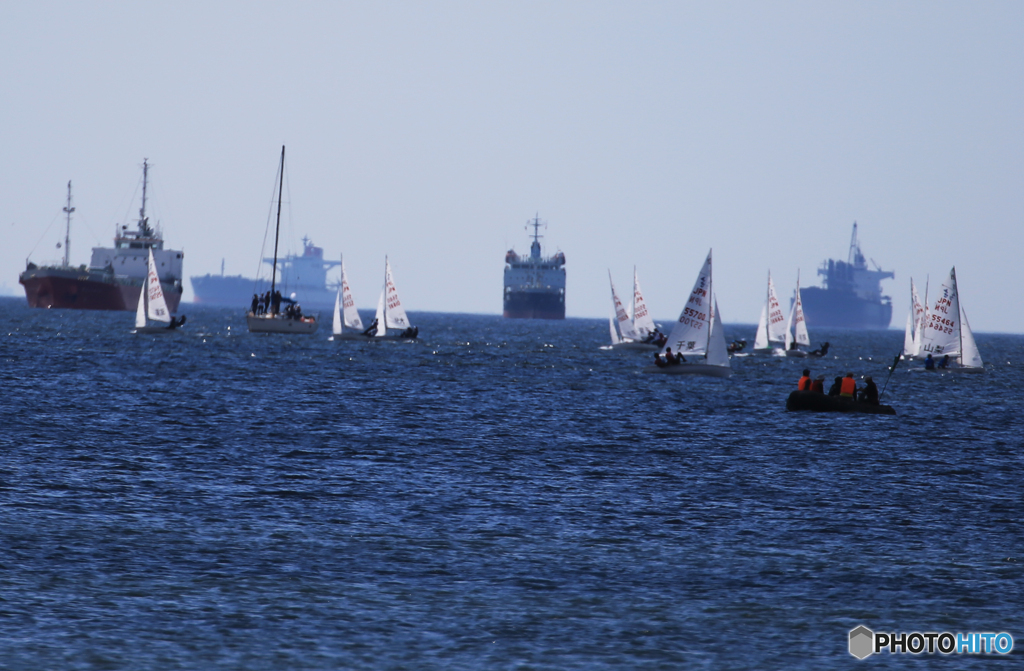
{"points": [[789, 326], [800, 322], [776, 319], [157, 308], [970, 357], [917, 306], [761, 339], [919, 328], [625, 325], [690, 333], [718, 353], [942, 331], [642, 321], [382, 330], [140, 311], [336, 326], [909, 345], [394, 313], [348, 304], [611, 327]]}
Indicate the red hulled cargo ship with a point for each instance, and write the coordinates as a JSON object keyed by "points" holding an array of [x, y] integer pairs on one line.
{"points": [[114, 277]]}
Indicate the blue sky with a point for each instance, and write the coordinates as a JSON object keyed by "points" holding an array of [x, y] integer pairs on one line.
{"points": [[644, 133]]}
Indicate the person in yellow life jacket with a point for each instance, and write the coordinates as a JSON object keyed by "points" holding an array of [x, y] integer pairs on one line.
{"points": [[805, 382], [849, 388]]}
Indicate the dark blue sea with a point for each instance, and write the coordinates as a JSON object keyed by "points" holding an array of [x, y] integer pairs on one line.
{"points": [[502, 495]]}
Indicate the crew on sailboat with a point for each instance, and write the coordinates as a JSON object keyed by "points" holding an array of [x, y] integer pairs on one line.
{"points": [[669, 359]]}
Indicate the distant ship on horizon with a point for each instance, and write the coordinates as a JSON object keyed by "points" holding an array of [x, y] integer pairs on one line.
{"points": [[852, 296], [534, 285], [114, 277], [304, 275]]}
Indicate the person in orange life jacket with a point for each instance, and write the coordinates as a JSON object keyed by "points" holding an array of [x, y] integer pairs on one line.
{"points": [[849, 388], [805, 382], [818, 384]]}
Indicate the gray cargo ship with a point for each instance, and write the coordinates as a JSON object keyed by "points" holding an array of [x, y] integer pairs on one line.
{"points": [[303, 275], [851, 296], [534, 285]]}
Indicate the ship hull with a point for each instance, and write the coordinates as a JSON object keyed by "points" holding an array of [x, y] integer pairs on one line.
{"points": [[534, 305], [236, 291], [839, 309], [231, 291], [86, 290]]}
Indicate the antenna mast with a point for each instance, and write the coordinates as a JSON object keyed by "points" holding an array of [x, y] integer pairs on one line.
{"points": [[67, 232], [143, 225], [854, 249]]}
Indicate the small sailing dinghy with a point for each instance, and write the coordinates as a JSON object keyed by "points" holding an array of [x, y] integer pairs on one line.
{"points": [[915, 323], [948, 333], [642, 321], [390, 313], [797, 325], [698, 336], [628, 336], [347, 325], [153, 305], [273, 321], [771, 335]]}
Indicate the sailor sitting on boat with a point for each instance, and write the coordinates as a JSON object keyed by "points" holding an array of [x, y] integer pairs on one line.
{"points": [[669, 359], [371, 329]]}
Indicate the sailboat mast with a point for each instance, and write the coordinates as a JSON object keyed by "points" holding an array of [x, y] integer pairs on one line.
{"points": [[277, 230], [385, 313], [67, 232], [959, 325]]}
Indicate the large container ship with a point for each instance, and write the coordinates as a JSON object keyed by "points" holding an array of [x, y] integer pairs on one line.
{"points": [[114, 277], [852, 296], [534, 285], [304, 275]]}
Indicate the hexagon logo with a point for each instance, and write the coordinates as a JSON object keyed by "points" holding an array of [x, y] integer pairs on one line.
{"points": [[862, 642]]}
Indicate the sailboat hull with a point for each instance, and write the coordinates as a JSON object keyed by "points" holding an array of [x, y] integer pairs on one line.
{"points": [[350, 335], [154, 330], [690, 369], [636, 346], [268, 324]]}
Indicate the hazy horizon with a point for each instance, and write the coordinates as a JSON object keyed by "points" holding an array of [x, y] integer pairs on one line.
{"points": [[644, 134]]}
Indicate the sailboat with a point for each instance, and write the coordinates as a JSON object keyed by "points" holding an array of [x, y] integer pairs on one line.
{"points": [[916, 319], [272, 321], [698, 335], [948, 333], [642, 321], [345, 314], [797, 326], [153, 305], [771, 326], [628, 336], [390, 312]]}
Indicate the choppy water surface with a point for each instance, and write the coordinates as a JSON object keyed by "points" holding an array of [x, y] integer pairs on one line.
{"points": [[503, 495]]}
